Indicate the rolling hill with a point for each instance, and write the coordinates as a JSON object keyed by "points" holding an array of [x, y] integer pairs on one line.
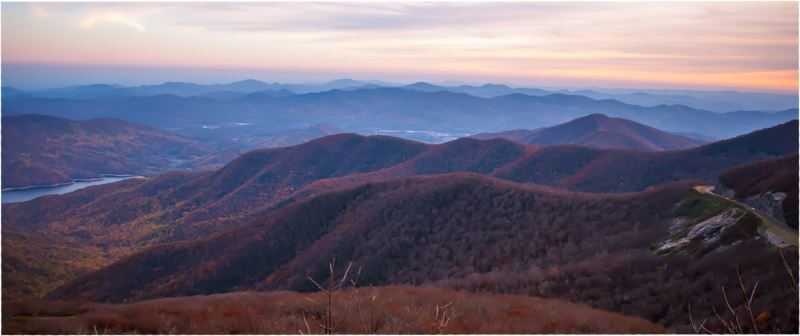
{"points": [[462, 230], [264, 178], [257, 179], [41, 150], [588, 169], [179, 206], [597, 130], [328, 195], [293, 241]]}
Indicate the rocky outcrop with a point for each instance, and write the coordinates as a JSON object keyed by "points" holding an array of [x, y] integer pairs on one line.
{"points": [[697, 237]]}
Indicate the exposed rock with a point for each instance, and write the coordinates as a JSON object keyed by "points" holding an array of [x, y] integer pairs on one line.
{"points": [[702, 237]]}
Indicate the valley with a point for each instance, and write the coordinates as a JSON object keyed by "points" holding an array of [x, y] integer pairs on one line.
{"points": [[490, 216]]}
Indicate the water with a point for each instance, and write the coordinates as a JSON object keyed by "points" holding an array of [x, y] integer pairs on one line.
{"points": [[22, 195]]}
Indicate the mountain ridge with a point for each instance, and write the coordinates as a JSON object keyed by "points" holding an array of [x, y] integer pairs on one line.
{"points": [[376, 108], [599, 130]]}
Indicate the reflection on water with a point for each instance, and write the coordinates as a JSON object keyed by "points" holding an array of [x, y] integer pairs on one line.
{"points": [[22, 195]]}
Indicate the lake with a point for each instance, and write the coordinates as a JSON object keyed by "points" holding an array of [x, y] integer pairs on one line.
{"points": [[21, 195]]}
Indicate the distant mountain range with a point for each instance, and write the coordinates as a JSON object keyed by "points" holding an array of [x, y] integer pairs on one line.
{"points": [[717, 101], [484, 91], [597, 130], [359, 109], [183, 89], [42, 150]]}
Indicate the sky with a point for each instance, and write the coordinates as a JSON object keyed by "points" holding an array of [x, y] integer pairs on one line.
{"points": [[746, 46]]}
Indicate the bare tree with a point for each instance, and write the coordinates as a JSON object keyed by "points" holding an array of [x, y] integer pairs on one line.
{"points": [[333, 285]]}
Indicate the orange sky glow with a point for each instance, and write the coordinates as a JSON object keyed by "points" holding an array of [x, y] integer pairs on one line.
{"points": [[742, 45]]}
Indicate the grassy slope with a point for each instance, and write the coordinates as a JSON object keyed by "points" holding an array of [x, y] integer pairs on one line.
{"points": [[361, 310]]}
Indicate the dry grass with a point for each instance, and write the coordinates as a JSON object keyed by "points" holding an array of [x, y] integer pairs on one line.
{"points": [[358, 310]]}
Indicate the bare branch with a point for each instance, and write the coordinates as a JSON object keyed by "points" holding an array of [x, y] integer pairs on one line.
{"points": [[703, 327], [788, 270], [346, 272], [305, 321], [748, 301], [691, 320], [315, 283], [354, 282], [753, 294], [723, 321], [730, 308]]}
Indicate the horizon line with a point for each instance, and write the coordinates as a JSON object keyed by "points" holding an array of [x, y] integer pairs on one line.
{"points": [[385, 82]]}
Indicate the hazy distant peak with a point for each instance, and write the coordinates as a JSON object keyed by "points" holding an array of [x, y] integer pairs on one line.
{"points": [[248, 81], [496, 86], [344, 81], [179, 83], [423, 85]]}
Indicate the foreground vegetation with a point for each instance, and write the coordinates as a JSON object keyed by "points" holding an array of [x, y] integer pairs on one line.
{"points": [[357, 310]]}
